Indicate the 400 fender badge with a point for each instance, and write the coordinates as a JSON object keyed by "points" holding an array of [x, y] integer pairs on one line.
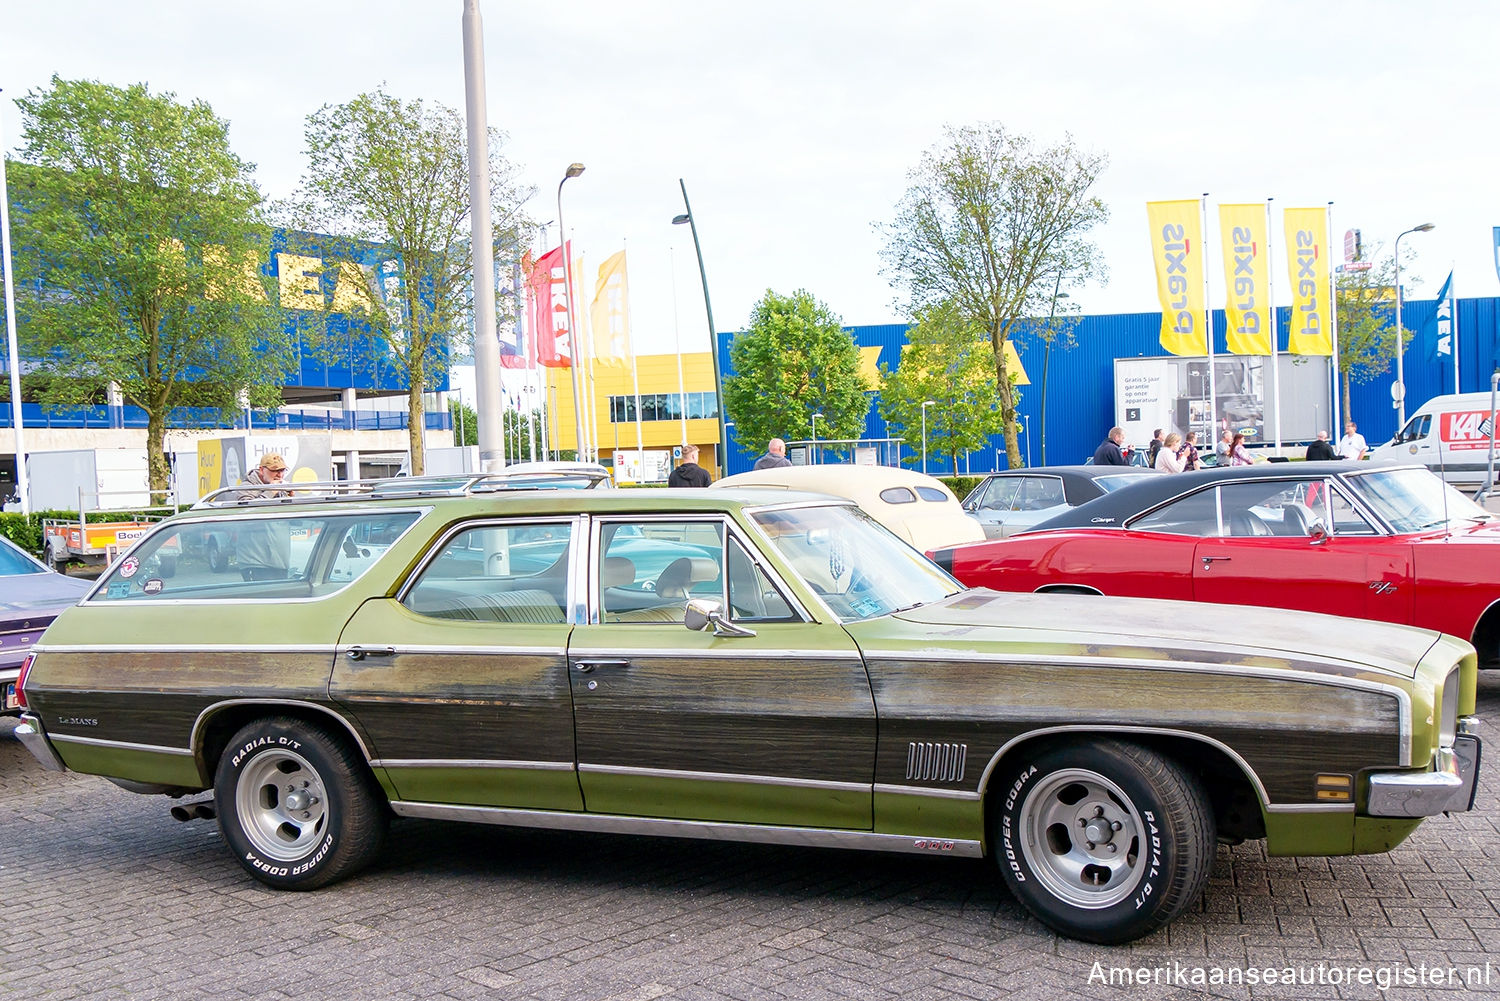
{"points": [[933, 845]]}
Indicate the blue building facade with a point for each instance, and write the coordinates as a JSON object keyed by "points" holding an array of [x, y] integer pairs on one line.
{"points": [[1080, 394]]}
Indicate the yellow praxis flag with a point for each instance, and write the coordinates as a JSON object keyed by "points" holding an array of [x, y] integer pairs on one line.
{"points": [[1177, 249], [1247, 279], [611, 312], [1311, 332]]}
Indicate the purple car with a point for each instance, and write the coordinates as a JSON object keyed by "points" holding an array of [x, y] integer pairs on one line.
{"points": [[31, 596]]}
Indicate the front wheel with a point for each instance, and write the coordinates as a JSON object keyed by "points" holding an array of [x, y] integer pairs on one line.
{"points": [[1104, 841], [297, 806]]}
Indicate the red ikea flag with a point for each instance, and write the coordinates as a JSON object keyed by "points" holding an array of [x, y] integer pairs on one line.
{"points": [[547, 304]]}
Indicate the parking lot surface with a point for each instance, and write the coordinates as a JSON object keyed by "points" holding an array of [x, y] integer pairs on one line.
{"points": [[109, 898]]}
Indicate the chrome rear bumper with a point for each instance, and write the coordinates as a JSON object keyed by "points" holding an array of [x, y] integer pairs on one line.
{"points": [[29, 732]]}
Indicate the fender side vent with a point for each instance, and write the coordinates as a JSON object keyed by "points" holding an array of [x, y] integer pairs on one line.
{"points": [[936, 762]]}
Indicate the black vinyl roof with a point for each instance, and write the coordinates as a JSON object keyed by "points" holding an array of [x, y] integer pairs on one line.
{"points": [[1146, 492]]}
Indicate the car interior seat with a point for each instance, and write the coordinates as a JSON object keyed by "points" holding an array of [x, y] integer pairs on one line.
{"points": [[1243, 524], [1298, 519], [677, 580]]}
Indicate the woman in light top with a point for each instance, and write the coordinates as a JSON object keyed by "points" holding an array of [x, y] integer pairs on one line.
{"points": [[1167, 459]]}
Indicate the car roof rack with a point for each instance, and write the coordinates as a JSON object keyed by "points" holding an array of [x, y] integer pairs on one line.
{"points": [[436, 485]]}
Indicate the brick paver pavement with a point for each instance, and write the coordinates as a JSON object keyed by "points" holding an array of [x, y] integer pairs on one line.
{"points": [[106, 897]]}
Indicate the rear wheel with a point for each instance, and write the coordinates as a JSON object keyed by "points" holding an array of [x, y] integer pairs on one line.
{"points": [[1104, 841], [296, 805]]}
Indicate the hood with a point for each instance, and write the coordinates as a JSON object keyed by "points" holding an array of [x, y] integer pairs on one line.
{"points": [[1134, 628]]}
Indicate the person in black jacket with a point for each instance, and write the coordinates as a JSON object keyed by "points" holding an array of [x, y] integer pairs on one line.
{"points": [[1108, 452], [1154, 447], [689, 473], [1321, 449]]}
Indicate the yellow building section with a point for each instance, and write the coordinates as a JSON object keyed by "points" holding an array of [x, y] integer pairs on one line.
{"points": [[658, 378], [1012, 364]]}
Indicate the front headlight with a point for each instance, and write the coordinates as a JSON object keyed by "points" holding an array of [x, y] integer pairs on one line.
{"points": [[1448, 724]]}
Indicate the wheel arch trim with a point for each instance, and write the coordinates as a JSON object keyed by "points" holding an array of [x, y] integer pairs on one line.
{"points": [[200, 725], [1231, 753]]}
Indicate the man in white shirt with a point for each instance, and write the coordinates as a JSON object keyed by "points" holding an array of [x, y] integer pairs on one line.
{"points": [[1352, 445]]}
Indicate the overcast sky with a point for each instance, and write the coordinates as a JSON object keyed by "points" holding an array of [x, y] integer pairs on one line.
{"points": [[795, 123]]}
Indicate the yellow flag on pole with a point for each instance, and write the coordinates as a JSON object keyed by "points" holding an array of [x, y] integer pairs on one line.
{"points": [[1247, 279], [1177, 249], [1311, 332], [611, 312]]}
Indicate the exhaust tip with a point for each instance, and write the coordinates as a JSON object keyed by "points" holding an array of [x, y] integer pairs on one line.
{"points": [[182, 813], [193, 811]]}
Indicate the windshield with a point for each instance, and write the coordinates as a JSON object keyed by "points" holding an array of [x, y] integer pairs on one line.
{"points": [[1415, 500], [857, 566]]}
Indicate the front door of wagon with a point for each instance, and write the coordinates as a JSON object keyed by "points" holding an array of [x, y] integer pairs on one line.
{"points": [[460, 682], [772, 728]]}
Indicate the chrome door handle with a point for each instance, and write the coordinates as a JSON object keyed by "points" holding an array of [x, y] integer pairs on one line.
{"points": [[587, 666], [361, 652], [1209, 561]]}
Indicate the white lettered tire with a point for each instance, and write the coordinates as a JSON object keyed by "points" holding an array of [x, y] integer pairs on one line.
{"points": [[1103, 840], [297, 807]]}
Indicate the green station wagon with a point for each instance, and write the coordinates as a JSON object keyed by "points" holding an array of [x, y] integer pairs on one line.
{"points": [[731, 664]]}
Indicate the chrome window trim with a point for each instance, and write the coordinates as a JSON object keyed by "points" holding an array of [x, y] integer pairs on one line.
{"points": [[1336, 480], [258, 514], [1403, 699], [69, 738], [696, 776], [538, 766], [605, 823], [435, 548], [728, 652]]}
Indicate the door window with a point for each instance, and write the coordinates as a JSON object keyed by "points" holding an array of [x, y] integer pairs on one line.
{"points": [[648, 569], [497, 573], [1000, 494]]}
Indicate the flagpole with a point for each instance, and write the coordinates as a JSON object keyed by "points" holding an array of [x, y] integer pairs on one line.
{"points": [[1333, 328], [590, 387], [635, 373], [1275, 341], [1453, 324], [1208, 329], [677, 337]]}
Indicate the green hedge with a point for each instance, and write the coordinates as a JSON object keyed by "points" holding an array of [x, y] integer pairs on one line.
{"points": [[961, 485]]}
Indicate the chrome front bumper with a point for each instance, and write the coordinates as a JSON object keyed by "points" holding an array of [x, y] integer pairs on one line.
{"points": [[29, 732], [1448, 787]]}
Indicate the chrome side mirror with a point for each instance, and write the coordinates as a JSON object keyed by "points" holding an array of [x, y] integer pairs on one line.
{"points": [[1317, 532], [704, 612]]}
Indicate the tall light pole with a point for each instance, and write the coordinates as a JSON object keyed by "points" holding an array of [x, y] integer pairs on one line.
{"points": [[1399, 389], [815, 437], [580, 451], [487, 402], [925, 405], [713, 340], [1047, 357]]}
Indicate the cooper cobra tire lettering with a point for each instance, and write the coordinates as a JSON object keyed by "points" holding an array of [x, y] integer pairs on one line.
{"points": [[297, 804], [1104, 840]]}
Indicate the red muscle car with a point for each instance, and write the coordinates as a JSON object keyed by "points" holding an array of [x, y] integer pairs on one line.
{"points": [[1360, 539]]}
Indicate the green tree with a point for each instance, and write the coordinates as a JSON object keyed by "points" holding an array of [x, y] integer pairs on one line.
{"points": [[515, 425], [1366, 331], [139, 237], [949, 361], [396, 173], [795, 359], [994, 225]]}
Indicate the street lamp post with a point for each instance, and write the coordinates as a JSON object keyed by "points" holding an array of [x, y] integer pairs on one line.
{"points": [[579, 451], [1047, 357], [925, 405], [815, 438], [713, 341], [1399, 389]]}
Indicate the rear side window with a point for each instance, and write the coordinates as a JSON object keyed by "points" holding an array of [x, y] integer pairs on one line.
{"points": [[239, 559], [498, 573], [898, 495], [931, 494]]}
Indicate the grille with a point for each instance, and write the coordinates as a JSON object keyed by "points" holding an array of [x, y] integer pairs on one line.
{"points": [[936, 762]]}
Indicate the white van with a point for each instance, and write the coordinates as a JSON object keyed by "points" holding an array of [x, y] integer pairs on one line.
{"points": [[1448, 433]]}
